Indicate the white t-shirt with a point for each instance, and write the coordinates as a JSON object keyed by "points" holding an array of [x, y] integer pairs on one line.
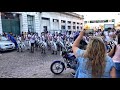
{"points": [[36, 38], [19, 40], [29, 36], [71, 35], [111, 33], [96, 33], [106, 33], [58, 38], [43, 38], [32, 39], [107, 38]]}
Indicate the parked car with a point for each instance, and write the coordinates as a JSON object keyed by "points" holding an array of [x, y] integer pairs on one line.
{"points": [[6, 44]]}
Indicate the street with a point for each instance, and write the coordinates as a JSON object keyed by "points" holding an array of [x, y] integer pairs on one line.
{"points": [[15, 64]]}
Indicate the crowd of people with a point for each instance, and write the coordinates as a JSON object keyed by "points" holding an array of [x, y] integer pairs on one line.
{"points": [[97, 52], [33, 40]]}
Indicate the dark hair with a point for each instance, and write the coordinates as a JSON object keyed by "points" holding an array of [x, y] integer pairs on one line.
{"points": [[119, 38], [102, 34]]}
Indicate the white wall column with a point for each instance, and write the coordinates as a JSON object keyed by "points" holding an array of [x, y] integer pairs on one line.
{"points": [[23, 22], [40, 19], [0, 25], [75, 26], [66, 25], [71, 26], [41, 22], [37, 23], [51, 23], [59, 24]]}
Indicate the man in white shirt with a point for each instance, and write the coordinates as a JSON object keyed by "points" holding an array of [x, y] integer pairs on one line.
{"points": [[32, 41]]}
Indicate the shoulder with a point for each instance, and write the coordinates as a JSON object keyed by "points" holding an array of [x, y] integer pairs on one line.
{"points": [[109, 61], [79, 53], [108, 58]]}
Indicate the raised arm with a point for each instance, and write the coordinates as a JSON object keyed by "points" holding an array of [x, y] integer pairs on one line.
{"points": [[76, 43]]}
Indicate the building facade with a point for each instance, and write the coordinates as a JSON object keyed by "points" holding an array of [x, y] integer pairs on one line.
{"points": [[101, 19], [18, 22], [100, 24]]}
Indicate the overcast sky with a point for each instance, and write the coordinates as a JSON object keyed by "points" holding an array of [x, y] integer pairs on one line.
{"points": [[99, 15]]}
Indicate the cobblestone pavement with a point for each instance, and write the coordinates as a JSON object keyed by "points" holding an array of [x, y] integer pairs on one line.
{"points": [[29, 65]]}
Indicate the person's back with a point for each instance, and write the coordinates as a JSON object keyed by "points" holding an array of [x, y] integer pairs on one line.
{"points": [[29, 36], [32, 39], [84, 72], [18, 39]]}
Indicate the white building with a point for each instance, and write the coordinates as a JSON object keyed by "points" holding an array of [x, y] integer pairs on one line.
{"points": [[91, 16], [17, 22], [100, 23]]}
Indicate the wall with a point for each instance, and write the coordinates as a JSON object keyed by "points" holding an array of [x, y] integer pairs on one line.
{"points": [[0, 24], [24, 24], [60, 16]]}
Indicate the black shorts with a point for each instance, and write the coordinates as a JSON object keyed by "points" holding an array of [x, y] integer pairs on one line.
{"points": [[36, 44], [32, 44]]}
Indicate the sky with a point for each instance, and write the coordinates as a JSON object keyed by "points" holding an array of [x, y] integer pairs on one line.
{"points": [[100, 15]]}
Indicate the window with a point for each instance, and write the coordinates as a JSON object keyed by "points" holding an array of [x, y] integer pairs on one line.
{"points": [[30, 20], [69, 27], [81, 28], [113, 20], [73, 22], [105, 20], [44, 18], [62, 27], [77, 27], [94, 21], [55, 20], [73, 27], [85, 21], [69, 22], [45, 29], [62, 21], [81, 23], [91, 22], [97, 21], [100, 21], [77, 23]]}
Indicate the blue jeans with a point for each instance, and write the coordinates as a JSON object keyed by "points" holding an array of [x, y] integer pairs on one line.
{"points": [[117, 66]]}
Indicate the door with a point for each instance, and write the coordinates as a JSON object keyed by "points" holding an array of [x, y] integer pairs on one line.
{"points": [[6, 25], [15, 26], [10, 23], [45, 24], [30, 20], [45, 29]]}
